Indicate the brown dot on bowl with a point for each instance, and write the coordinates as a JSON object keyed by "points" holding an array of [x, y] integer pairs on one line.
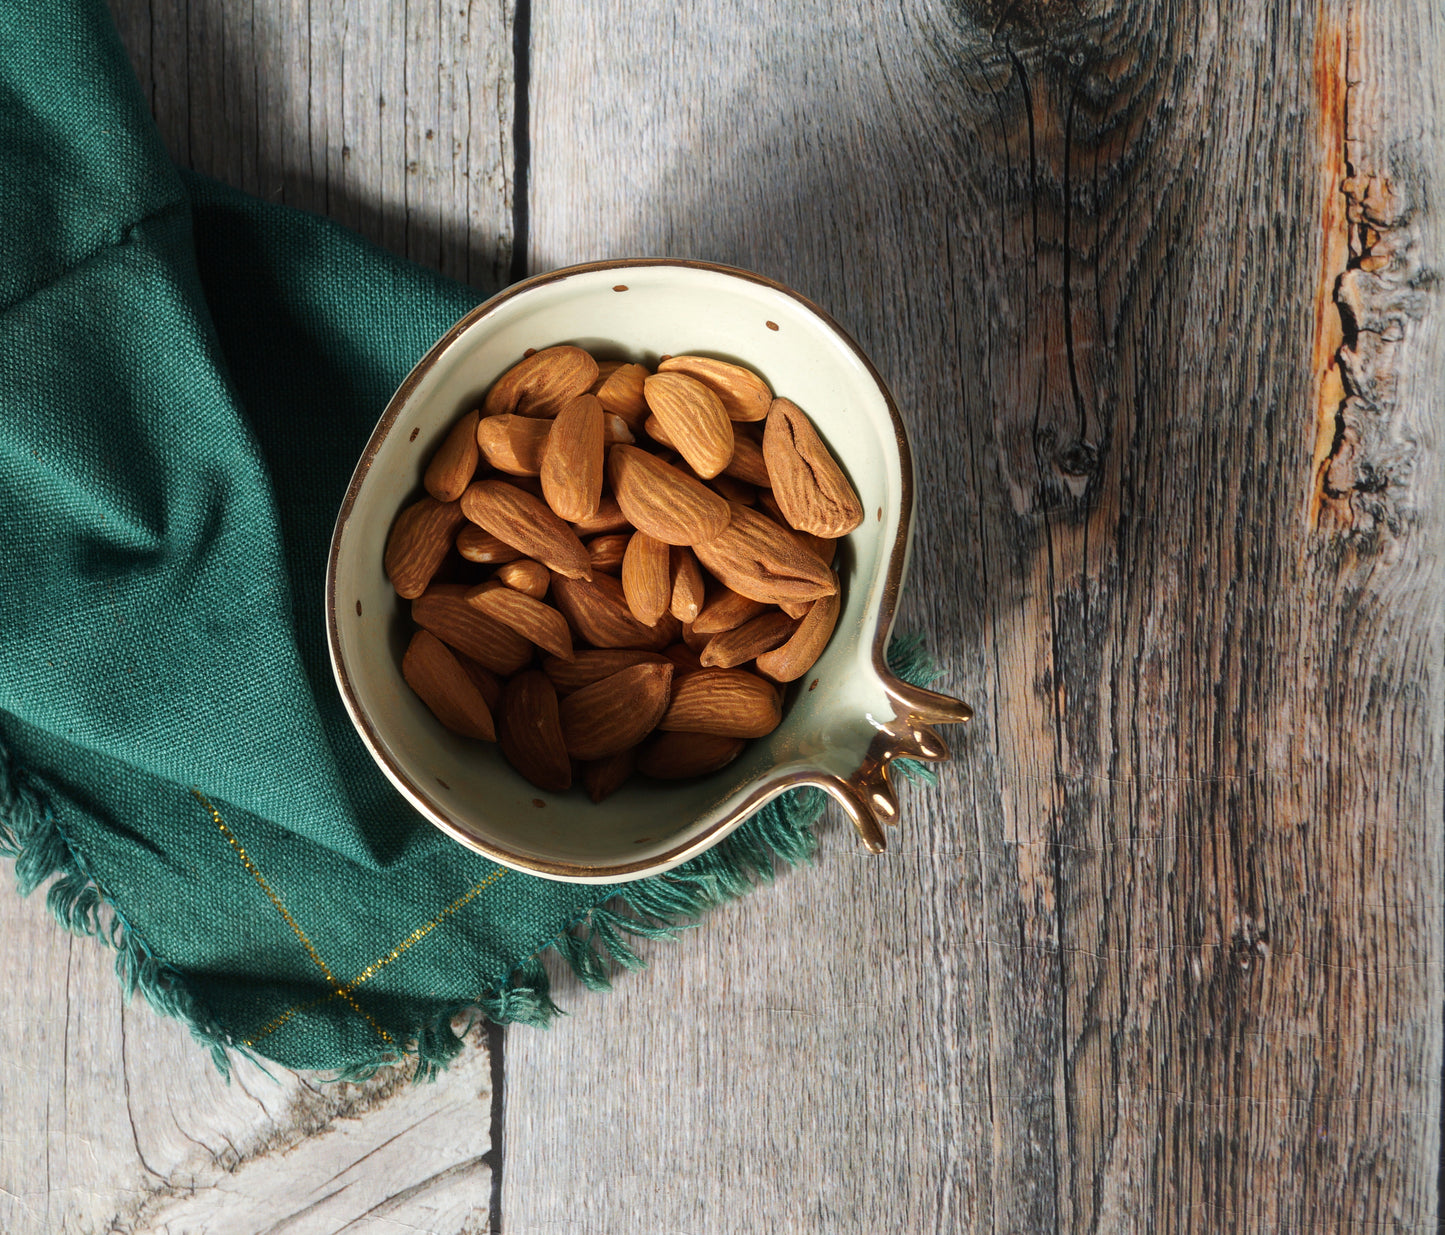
{"points": [[414, 432], [531, 351], [813, 685], [771, 325], [442, 783], [880, 514], [643, 840], [358, 608], [621, 287], [538, 802]]}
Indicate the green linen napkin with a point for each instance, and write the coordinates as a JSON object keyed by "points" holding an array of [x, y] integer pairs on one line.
{"points": [[187, 376]]}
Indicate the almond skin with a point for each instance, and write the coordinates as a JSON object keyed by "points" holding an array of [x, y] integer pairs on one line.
{"points": [[522, 521], [542, 381], [748, 641], [572, 462], [526, 576], [693, 641], [799, 654], [530, 732], [593, 664], [616, 713], [478, 546], [537, 623], [733, 489], [726, 610], [727, 702], [808, 484], [674, 756], [662, 501], [514, 444], [609, 518], [435, 674], [607, 552], [747, 463], [684, 659], [620, 393], [455, 463], [598, 613], [418, 543], [688, 589], [647, 577], [743, 394], [443, 610], [604, 777], [757, 558], [694, 419], [487, 682]]}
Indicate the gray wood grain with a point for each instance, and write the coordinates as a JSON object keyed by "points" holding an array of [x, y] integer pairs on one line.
{"points": [[1164, 953]]}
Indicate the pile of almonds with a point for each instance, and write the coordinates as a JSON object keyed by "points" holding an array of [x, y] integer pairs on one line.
{"points": [[681, 524]]}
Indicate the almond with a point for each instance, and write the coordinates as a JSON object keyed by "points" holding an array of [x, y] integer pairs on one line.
{"points": [[541, 382], [733, 489], [609, 518], [592, 665], [616, 713], [663, 501], [599, 615], [748, 641], [808, 484], [684, 659], [604, 777], [418, 542], [513, 444], [519, 519], [452, 467], [621, 394], [694, 418], [572, 462], [615, 429], [693, 641], [605, 369], [756, 557], [527, 576], [728, 702], [824, 548], [673, 756], [687, 586], [647, 578], [434, 674], [531, 732], [796, 609], [537, 623], [743, 394], [486, 682], [443, 610], [726, 610], [657, 431], [795, 657], [747, 463], [770, 507], [478, 546], [607, 552]]}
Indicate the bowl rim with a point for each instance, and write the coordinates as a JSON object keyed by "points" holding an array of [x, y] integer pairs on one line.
{"points": [[764, 790]]}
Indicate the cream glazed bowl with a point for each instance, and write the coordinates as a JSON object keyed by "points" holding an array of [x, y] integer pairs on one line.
{"points": [[844, 721]]}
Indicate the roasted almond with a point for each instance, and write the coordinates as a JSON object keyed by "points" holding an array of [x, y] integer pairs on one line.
{"points": [[418, 542], [593, 664], [525, 523], [478, 546], [599, 615], [452, 467], [621, 394], [513, 444], [572, 462], [808, 484], [795, 657], [674, 756], [727, 702], [694, 419], [726, 610], [541, 382], [609, 518], [530, 732], [616, 713], [604, 777], [537, 623], [663, 501], [748, 641], [433, 672], [527, 576], [743, 394], [443, 610], [756, 557], [747, 462], [647, 577], [607, 552], [688, 589]]}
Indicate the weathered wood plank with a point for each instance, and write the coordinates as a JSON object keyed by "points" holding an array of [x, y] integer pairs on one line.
{"points": [[1165, 953]]}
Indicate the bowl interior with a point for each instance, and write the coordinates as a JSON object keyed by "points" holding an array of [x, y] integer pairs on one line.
{"points": [[631, 312]]}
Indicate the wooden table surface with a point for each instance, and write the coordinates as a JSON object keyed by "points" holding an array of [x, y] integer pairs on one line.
{"points": [[1157, 287]]}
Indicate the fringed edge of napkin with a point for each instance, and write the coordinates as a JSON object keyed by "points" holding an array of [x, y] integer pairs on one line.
{"points": [[779, 835]]}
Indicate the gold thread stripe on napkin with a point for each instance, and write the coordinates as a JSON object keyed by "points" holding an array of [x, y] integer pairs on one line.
{"points": [[286, 915], [381, 962]]}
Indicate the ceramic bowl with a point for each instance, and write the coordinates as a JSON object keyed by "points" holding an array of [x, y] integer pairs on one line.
{"points": [[844, 722]]}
